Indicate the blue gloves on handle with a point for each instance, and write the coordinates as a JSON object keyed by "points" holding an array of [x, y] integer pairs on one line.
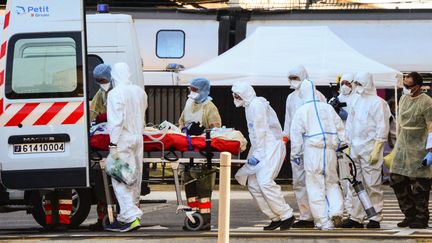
{"points": [[252, 161]]}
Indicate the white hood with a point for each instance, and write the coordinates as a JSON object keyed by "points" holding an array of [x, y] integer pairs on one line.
{"points": [[347, 77], [245, 91], [120, 74], [308, 92], [300, 72], [366, 80]]}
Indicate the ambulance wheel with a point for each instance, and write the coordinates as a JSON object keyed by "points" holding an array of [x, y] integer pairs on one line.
{"points": [[81, 200], [199, 222]]}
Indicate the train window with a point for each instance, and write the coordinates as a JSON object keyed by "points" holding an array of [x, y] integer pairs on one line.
{"points": [[170, 44]]}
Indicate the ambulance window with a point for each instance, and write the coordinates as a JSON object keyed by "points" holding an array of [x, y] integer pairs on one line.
{"points": [[92, 61], [41, 66], [170, 44]]}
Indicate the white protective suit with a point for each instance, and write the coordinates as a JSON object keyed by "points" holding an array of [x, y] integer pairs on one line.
{"points": [[316, 133], [126, 106], [293, 102], [368, 122], [267, 146]]}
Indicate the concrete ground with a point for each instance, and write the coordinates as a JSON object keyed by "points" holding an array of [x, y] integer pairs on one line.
{"points": [[161, 224]]}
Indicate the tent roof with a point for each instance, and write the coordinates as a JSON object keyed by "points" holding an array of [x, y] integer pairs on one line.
{"points": [[266, 56]]}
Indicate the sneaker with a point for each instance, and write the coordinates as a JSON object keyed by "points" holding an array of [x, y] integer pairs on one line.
{"points": [[327, 226], [404, 223], [418, 225], [373, 225], [287, 223], [118, 226], [273, 225], [349, 223], [304, 224], [337, 221], [98, 226]]}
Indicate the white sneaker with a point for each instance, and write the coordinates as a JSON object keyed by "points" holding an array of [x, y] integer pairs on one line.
{"points": [[327, 225]]}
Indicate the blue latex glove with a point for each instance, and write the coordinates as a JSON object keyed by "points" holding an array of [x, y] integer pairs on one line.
{"points": [[297, 161], [252, 161], [343, 115], [427, 161]]}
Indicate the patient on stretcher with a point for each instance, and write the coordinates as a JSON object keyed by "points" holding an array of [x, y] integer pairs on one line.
{"points": [[223, 139]]}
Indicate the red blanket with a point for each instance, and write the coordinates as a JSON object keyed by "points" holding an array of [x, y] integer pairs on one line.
{"points": [[175, 142]]}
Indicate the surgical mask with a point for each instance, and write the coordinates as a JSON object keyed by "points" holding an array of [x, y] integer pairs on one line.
{"points": [[238, 102], [407, 91], [105, 87], [295, 84], [360, 90], [345, 90], [193, 95]]}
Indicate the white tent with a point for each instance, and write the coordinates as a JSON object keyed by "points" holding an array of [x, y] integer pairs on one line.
{"points": [[265, 57]]}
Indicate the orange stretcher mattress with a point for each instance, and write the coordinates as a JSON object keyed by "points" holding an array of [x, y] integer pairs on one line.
{"points": [[172, 142]]}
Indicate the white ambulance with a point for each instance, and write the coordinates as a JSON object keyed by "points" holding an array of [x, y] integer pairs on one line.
{"points": [[45, 86]]}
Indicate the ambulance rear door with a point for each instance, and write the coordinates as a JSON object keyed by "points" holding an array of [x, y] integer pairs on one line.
{"points": [[43, 108]]}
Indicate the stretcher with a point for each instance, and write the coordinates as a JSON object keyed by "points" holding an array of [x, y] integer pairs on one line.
{"points": [[178, 150], [172, 142]]}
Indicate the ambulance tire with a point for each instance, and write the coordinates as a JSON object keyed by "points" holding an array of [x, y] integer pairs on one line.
{"points": [[81, 208]]}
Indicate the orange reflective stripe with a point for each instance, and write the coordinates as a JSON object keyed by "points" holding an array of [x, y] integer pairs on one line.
{"points": [[205, 210], [65, 201], [65, 212], [191, 199]]}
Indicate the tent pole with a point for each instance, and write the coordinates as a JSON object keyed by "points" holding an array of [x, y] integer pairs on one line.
{"points": [[396, 110]]}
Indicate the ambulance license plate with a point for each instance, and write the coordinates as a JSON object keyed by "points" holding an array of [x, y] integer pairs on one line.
{"points": [[35, 148]]}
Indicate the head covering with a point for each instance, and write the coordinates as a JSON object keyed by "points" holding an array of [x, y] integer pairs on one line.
{"points": [[120, 74], [203, 86], [245, 91], [102, 71], [308, 91], [366, 80], [347, 77], [300, 72]]}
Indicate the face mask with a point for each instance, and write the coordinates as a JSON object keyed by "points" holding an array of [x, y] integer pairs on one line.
{"points": [[360, 90], [295, 84], [193, 95], [105, 87], [345, 90], [238, 102]]}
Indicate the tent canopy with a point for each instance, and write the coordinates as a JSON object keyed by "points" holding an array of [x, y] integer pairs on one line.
{"points": [[266, 56]]}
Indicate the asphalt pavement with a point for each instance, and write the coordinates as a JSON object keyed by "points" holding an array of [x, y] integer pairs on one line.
{"points": [[161, 224]]}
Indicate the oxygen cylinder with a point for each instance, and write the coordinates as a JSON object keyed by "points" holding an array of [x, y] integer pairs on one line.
{"points": [[364, 199]]}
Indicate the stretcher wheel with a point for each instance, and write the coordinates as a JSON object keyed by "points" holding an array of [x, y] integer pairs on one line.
{"points": [[199, 222]]}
